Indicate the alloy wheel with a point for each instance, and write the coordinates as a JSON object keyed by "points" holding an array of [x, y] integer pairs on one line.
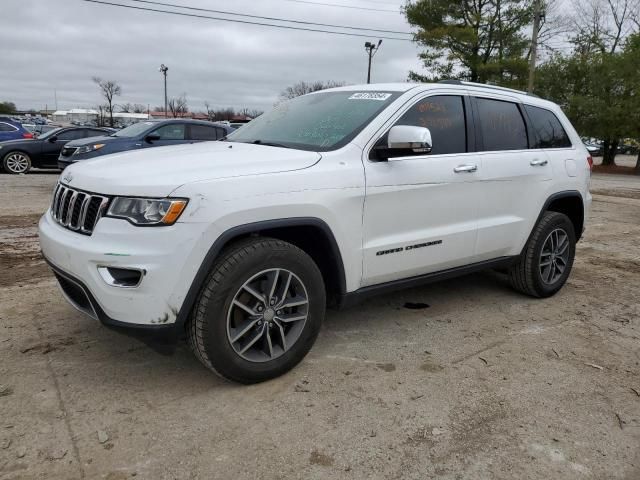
{"points": [[267, 315], [554, 256], [17, 162]]}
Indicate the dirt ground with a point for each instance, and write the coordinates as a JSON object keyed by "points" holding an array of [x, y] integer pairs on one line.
{"points": [[484, 383]]}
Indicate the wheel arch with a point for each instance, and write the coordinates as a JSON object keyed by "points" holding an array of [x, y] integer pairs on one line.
{"points": [[310, 234], [569, 202]]}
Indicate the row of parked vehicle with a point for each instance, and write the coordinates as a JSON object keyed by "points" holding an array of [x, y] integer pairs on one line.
{"points": [[20, 149]]}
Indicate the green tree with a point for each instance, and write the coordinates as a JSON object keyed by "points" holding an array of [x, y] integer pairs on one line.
{"points": [[476, 40], [598, 91], [7, 107]]}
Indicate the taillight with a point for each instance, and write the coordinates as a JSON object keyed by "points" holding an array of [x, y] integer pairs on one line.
{"points": [[27, 135], [590, 162]]}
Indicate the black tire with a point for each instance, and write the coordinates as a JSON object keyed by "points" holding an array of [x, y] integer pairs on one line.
{"points": [[526, 276], [16, 162], [207, 329]]}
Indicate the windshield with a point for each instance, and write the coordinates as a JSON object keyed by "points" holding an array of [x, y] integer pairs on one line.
{"points": [[318, 122], [134, 130], [49, 133]]}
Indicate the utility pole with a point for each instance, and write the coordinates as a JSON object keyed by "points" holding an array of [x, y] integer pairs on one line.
{"points": [[537, 15], [371, 49], [163, 69]]}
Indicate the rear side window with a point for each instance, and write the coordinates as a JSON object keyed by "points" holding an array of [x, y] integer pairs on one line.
{"points": [[444, 116], [501, 125], [204, 132], [96, 133], [548, 130], [5, 127]]}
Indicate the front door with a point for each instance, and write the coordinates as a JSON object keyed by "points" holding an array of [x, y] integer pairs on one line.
{"points": [[51, 150], [420, 211], [170, 134]]}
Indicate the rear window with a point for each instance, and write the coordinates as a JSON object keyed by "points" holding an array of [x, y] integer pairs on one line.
{"points": [[501, 125], [548, 130]]}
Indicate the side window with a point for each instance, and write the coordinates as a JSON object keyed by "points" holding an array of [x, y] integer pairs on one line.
{"points": [[69, 135], [444, 116], [204, 132], [5, 127], [172, 131], [501, 125], [548, 129], [96, 133]]}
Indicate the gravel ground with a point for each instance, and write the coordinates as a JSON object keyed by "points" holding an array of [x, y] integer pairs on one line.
{"points": [[483, 383]]}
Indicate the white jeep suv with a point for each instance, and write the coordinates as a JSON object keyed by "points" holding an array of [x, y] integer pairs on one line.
{"points": [[326, 199]]}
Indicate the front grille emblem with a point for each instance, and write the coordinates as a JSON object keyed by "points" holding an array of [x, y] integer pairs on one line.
{"points": [[67, 178]]}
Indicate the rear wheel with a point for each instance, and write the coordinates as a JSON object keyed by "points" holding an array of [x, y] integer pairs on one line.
{"points": [[546, 262], [259, 312], [16, 162]]}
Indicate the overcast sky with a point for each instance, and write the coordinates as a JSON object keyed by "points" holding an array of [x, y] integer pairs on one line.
{"points": [[59, 45]]}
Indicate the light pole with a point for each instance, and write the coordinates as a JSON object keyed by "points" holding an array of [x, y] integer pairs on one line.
{"points": [[371, 49], [163, 69]]}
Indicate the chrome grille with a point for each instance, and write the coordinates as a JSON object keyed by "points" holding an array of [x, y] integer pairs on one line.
{"points": [[76, 210]]}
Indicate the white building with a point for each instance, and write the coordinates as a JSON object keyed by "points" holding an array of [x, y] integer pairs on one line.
{"points": [[86, 115]]}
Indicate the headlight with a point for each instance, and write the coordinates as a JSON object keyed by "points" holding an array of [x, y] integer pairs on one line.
{"points": [[88, 148], [147, 211]]}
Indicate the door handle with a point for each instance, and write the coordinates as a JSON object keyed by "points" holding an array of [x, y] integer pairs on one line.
{"points": [[465, 168], [538, 163]]}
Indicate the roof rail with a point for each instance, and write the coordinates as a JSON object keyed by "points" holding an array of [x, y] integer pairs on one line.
{"points": [[484, 85]]}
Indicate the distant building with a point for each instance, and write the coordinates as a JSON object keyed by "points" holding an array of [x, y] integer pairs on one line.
{"points": [[86, 115]]}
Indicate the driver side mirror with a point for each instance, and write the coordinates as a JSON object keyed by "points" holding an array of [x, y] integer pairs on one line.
{"points": [[408, 137], [152, 137], [53, 139]]}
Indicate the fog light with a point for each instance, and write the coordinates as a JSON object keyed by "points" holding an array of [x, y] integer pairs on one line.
{"points": [[121, 277]]}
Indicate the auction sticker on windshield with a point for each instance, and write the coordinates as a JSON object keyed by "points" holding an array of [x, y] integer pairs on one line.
{"points": [[380, 96]]}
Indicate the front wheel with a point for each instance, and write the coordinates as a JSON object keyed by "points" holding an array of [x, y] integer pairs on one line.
{"points": [[259, 311], [16, 162], [546, 262]]}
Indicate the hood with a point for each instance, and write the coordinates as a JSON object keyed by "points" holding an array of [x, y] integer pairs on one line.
{"points": [[158, 171], [91, 140]]}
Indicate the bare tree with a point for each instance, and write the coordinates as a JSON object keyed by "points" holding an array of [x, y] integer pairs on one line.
{"points": [[109, 90], [602, 25], [126, 108], [178, 106], [302, 88]]}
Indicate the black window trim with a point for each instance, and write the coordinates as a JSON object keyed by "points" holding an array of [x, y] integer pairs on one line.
{"points": [[69, 129], [478, 132], [469, 115], [534, 134]]}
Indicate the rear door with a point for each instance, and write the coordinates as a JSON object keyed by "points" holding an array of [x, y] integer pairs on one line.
{"points": [[513, 178], [420, 213]]}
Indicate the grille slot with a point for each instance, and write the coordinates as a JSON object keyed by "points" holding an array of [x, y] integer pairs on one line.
{"points": [[76, 210]]}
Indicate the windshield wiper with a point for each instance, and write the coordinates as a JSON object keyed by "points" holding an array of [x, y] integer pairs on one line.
{"points": [[269, 144]]}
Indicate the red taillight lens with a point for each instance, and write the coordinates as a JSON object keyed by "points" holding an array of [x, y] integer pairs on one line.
{"points": [[590, 162], [27, 135]]}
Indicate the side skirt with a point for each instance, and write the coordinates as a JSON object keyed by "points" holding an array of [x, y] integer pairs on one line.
{"points": [[353, 298]]}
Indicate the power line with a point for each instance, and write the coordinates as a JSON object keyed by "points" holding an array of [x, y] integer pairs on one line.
{"points": [[342, 6], [173, 5], [246, 22]]}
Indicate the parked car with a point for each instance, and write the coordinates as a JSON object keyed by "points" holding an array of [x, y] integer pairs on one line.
{"points": [[11, 130], [327, 199], [18, 156], [595, 149], [146, 134]]}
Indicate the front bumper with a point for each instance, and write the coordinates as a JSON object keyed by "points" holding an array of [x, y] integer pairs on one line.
{"points": [[162, 253]]}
